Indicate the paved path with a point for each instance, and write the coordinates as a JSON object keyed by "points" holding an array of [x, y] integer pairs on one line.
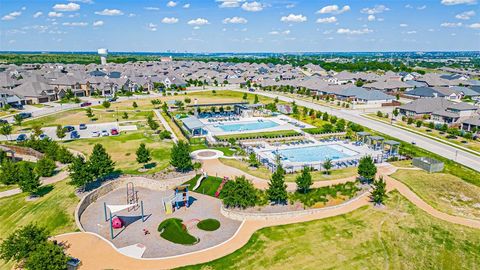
{"points": [[166, 125], [97, 253]]}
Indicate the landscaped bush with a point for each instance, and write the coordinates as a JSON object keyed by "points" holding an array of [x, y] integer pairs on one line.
{"points": [[173, 230], [209, 224]]}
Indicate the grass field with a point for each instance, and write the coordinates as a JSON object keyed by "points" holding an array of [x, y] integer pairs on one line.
{"points": [[266, 135], [53, 211], [445, 192], [122, 149], [78, 116], [397, 237], [208, 186], [264, 173]]}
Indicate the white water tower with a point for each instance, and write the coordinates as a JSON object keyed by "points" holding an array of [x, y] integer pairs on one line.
{"points": [[103, 55]]}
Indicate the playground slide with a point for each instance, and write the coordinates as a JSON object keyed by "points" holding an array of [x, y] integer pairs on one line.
{"points": [[199, 181]]}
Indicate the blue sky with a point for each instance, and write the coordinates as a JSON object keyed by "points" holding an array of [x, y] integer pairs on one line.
{"points": [[239, 26]]}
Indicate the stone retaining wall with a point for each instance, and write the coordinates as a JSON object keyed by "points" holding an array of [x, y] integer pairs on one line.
{"points": [[143, 182], [242, 215]]}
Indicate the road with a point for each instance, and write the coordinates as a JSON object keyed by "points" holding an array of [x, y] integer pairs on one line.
{"points": [[450, 152]]}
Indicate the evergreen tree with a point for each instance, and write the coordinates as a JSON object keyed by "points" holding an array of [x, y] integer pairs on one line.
{"points": [[60, 132], [9, 172], [100, 164], [180, 156], [79, 172], [277, 189], [28, 180], [252, 160], [304, 180], [239, 193], [367, 168], [379, 192], [255, 101], [152, 123], [45, 167], [89, 112], [22, 242], [143, 154]]}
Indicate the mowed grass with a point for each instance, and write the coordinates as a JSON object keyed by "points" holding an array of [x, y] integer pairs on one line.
{"points": [[445, 192], [399, 236], [172, 229], [122, 150], [53, 211], [208, 186], [264, 173], [79, 116]]}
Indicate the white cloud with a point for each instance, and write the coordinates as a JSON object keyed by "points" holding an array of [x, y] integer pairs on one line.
{"points": [[229, 3], [422, 7], [474, 26], [37, 14], [458, 2], [290, 6], [83, 1], [235, 20], [11, 16], [465, 15], [109, 12], [377, 9], [186, 5], [152, 8], [198, 21], [410, 32], [371, 18], [408, 6], [53, 14], [334, 9], [98, 23], [66, 7], [275, 33], [131, 15], [75, 24], [451, 24], [294, 18], [169, 20], [152, 27], [347, 31], [327, 20], [252, 6], [171, 4], [403, 25]]}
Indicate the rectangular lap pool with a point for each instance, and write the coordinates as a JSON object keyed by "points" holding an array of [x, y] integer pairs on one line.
{"points": [[246, 126], [317, 153]]}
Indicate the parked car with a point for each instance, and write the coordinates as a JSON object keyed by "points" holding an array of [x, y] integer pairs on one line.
{"points": [[25, 115], [3, 121], [22, 138], [74, 135], [95, 134], [85, 104], [17, 106], [69, 128], [112, 99], [104, 133], [43, 136], [114, 131], [82, 126], [251, 90]]}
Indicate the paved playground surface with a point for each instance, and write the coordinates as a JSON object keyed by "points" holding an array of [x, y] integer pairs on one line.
{"points": [[202, 207]]}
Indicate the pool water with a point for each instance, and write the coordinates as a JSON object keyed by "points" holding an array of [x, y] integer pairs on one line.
{"points": [[246, 126], [317, 153]]}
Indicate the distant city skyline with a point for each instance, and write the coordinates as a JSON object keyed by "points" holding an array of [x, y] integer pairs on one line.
{"points": [[240, 26]]}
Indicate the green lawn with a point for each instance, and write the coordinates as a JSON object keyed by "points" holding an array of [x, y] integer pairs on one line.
{"points": [[172, 230], [256, 135], [122, 149], [445, 192], [53, 211], [209, 224], [264, 173], [208, 186], [398, 237]]}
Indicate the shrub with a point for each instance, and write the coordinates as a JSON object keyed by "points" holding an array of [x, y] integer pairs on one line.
{"points": [[173, 230], [209, 224], [239, 193], [45, 167]]}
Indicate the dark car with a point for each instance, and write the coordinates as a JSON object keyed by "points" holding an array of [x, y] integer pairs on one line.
{"points": [[69, 128], [25, 115], [17, 106], [114, 131], [85, 104], [43, 136], [251, 90], [3, 121], [112, 99], [83, 126], [22, 138], [74, 135]]}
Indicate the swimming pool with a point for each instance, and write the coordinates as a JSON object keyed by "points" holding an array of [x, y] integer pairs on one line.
{"points": [[246, 126], [317, 153]]}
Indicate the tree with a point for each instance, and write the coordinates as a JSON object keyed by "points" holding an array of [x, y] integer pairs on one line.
{"points": [[367, 168], [327, 165], [245, 96], [28, 180], [36, 131], [252, 160], [45, 167], [143, 154], [165, 134], [152, 123], [9, 172], [180, 156], [395, 112], [379, 192], [89, 113], [48, 256], [60, 132], [22, 242], [100, 163], [239, 193], [125, 115], [419, 123], [63, 155], [325, 116], [135, 105], [18, 119], [6, 129], [304, 180], [106, 104], [255, 101], [79, 172], [277, 189], [340, 125]]}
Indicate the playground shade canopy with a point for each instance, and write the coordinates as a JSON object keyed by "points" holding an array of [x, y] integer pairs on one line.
{"points": [[114, 208]]}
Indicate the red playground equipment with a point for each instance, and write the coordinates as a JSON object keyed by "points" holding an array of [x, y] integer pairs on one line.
{"points": [[217, 193], [117, 223]]}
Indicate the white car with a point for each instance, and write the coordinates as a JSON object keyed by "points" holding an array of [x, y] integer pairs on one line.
{"points": [[95, 134], [105, 133]]}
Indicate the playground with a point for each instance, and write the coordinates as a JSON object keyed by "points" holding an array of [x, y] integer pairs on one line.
{"points": [[137, 235]]}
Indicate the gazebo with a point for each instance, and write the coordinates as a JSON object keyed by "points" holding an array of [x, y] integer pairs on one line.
{"points": [[393, 149], [376, 142], [363, 136]]}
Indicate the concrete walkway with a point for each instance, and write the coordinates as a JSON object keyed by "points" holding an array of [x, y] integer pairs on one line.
{"points": [[166, 125]]}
